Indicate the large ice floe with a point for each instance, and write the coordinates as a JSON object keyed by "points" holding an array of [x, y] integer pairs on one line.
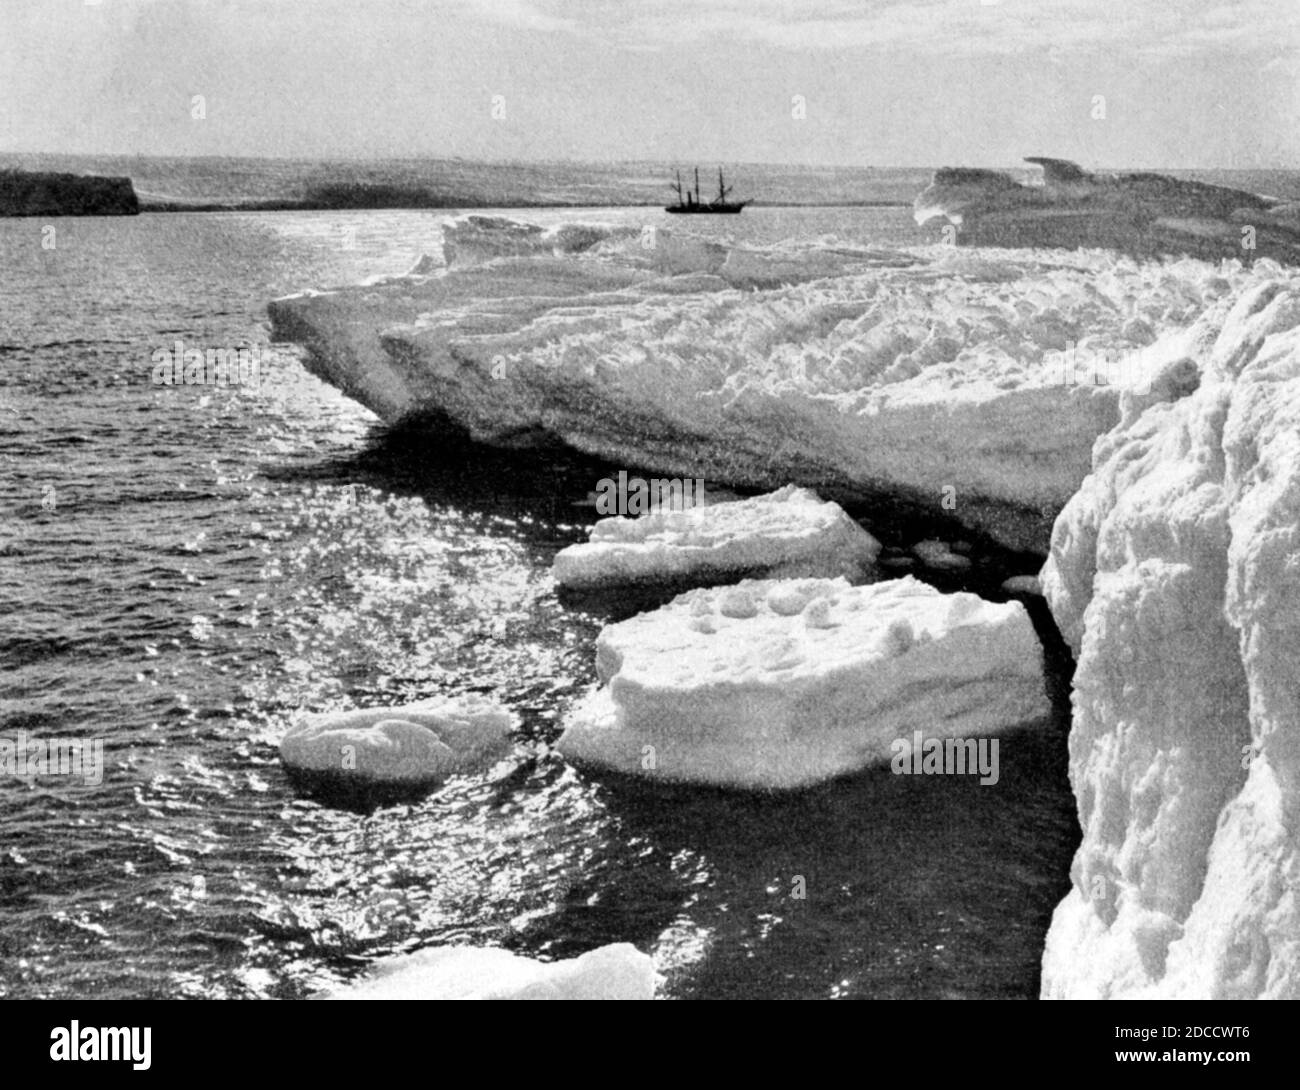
{"points": [[1175, 574], [790, 532], [970, 383], [617, 971], [1134, 213], [784, 683], [415, 745]]}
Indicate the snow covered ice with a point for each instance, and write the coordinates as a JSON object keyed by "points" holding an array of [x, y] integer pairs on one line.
{"points": [[1175, 575], [476, 239], [785, 683], [617, 971], [412, 745], [785, 533], [939, 371]]}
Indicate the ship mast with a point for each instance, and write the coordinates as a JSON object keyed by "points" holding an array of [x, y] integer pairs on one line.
{"points": [[697, 185], [723, 190]]}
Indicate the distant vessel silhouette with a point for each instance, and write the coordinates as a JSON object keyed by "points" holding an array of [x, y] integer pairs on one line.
{"points": [[690, 203]]}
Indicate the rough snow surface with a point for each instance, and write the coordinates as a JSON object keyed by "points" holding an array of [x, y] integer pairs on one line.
{"points": [[790, 532], [1175, 574], [412, 745], [976, 380], [617, 971], [783, 683], [475, 239]]}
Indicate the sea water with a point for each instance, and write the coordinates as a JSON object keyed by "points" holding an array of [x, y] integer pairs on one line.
{"points": [[184, 568]]}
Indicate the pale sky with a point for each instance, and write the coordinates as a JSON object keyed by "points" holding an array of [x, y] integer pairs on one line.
{"points": [[1183, 83]]}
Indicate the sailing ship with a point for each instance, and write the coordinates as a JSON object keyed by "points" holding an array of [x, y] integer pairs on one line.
{"points": [[689, 202]]}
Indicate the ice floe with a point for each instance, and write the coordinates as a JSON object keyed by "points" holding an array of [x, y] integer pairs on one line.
{"points": [[784, 683], [940, 556], [787, 533], [414, 745], [1023, 584], [617, 971]]}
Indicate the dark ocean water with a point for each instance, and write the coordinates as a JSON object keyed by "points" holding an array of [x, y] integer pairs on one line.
{"points": [[184, 568]]}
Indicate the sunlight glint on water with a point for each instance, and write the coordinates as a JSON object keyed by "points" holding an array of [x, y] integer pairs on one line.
{"points": [[211, 560]]}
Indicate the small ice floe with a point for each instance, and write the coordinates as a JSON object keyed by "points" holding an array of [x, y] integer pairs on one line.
{"points": [[1023, 584], [939, 556], [786, 533], [414, 746], [784, 683], [617, 971], [896, 562]]}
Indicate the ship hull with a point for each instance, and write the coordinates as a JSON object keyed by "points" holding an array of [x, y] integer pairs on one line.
{"points": [[706, 209]]}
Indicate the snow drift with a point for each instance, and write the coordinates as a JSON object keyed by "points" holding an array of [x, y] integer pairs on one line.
{"points": [[784, 683], [1175, 574]]}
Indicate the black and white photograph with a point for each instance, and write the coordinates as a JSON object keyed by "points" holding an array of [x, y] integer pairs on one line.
{"points": [[650, 500]]}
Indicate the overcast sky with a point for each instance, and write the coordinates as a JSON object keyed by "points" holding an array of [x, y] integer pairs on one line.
{"points": [[1185, 83]]}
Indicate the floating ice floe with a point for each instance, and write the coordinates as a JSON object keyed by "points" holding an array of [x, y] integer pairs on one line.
{"points": [[787, 533], [415, 745], [617, 971], [940, 556], [1023, 584], [783, 683], [1175, 575]]}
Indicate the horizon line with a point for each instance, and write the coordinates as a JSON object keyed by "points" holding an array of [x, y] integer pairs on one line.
{"points": [[565, 161]]}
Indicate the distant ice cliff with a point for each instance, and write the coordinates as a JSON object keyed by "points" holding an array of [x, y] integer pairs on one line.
{"points": [[33, 193], [1134, 213]]}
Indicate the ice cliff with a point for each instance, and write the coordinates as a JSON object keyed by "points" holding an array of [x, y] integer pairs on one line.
{"points": [[969, 385], [1138, 213], [35, 193], [1175, 574]]}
